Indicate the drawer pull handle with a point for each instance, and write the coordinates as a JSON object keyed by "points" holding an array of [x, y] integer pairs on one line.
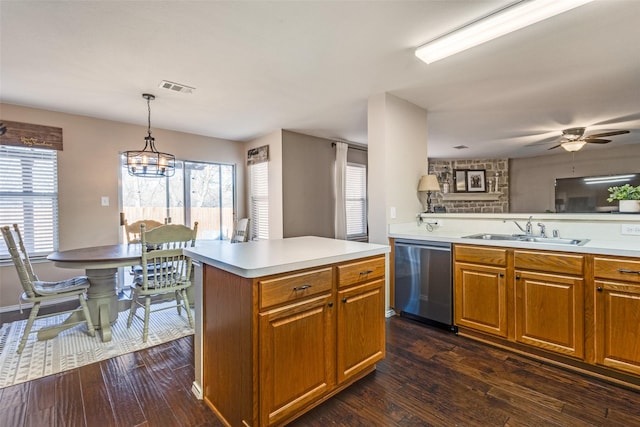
{"points": [[301, 288], [599, 289], [344, 300], [623, 271], [362, 273], [330, 304]]}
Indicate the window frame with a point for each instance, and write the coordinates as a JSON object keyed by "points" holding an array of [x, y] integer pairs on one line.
{"points": [[363, 199], [39, 229], [183, 168], [259, 220]]}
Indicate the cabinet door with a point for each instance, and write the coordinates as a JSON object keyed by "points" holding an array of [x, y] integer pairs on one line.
{"points": [[480, 298], [297, 349], [361, 328], [550, 312], [618, 325]]}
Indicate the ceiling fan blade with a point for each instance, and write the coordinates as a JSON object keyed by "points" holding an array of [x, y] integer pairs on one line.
{"points": [[597, 141], [545, 141], [555, 146], [612, 133]]}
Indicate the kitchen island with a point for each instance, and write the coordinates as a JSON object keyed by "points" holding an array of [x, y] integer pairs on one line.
{"points": [[284, 324]]}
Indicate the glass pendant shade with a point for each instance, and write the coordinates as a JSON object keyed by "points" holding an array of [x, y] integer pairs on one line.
{"points": [[573, 145], [149, 162]]}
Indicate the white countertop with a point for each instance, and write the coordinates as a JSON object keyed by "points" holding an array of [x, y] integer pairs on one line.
{"points": [[266, 257], [604, 241]]}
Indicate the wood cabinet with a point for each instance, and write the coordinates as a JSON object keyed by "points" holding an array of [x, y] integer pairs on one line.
{"points": [[360, 329], [549, 306], [617, 313], [360, 333], [579, 310], [480, 302], [276, 346], [296, 353]]}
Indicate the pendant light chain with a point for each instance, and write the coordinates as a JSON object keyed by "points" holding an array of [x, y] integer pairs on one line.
{"points": [[149, 115]]}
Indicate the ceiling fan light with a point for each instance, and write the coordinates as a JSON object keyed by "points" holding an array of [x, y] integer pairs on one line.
{"points": [[501, 22], [573, 133], [573, 145]]}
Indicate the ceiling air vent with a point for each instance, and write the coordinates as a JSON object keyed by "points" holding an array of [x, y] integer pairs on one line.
{"points": [[176, 87], [460, 147]]}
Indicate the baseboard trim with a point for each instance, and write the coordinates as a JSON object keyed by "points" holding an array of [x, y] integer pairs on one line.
{"points": [[196, 389]]}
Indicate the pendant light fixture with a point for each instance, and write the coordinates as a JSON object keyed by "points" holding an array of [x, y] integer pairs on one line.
{"points": [[150, 163]]}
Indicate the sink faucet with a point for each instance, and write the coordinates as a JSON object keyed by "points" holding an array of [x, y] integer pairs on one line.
{"points": [[528, 229], [543, 230]]}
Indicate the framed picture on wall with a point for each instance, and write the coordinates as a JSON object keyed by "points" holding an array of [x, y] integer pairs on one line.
{"points": [[460, 180], [476, 181]]}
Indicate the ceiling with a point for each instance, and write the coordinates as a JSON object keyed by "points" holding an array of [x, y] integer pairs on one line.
{"points": [[310, 67]]}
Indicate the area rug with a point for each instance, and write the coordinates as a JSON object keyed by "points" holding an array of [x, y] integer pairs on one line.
{"points": [[73, 347]]}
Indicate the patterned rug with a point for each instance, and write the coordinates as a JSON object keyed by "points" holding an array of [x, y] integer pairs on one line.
{"points": [[73, 347]]}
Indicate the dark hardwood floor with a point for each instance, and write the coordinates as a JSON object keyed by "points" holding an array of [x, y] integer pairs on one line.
{"points": [[429, 378]]}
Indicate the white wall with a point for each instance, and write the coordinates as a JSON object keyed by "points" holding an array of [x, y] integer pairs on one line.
{"points": [[397, 158]]}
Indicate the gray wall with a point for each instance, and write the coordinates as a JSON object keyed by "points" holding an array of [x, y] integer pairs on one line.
{"points": [[307, 184], [532, 179], [307, 168]]}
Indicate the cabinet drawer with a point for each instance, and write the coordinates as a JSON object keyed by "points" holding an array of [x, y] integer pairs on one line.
{"points": [[550, 262], [481, 255], [617, 269], [294, 287], [361, 271]]}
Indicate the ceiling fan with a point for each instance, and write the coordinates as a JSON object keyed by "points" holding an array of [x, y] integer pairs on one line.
{"points": [[573, 139]]}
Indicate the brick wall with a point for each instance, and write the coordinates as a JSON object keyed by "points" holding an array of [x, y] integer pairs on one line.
{"points": [[495, 169]]}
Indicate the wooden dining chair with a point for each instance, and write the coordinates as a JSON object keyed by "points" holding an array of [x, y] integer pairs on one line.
{"points": [[132, 231], [169, 270], [241, 231], [37, 291]]}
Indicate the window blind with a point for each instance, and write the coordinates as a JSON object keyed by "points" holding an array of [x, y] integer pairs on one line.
{"points": [[29, 197], [356, 200], [259, 200]]}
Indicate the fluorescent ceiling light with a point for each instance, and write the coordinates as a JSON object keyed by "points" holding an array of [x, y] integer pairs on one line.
{"points": [[608, 179], [503, 21]]}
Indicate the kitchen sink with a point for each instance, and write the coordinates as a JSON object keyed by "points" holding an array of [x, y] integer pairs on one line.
{"points": [[524, 238], [554, 240], [487, 236]]}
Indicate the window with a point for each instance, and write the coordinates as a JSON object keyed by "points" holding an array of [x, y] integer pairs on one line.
{"points": [[356, 201], [202, 192], [29, 197], [259, 200]]}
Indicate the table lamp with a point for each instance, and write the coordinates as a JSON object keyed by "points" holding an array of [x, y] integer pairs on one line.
{"points": [[428, 183]]}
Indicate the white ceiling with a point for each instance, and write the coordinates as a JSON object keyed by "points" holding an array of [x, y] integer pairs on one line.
{"points": [[310, 66]]}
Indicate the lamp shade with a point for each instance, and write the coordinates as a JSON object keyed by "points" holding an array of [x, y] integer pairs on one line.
{"points": [[428, 183]]}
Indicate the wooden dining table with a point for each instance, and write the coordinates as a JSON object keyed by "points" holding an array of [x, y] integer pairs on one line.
{"points": [[101, 267]]}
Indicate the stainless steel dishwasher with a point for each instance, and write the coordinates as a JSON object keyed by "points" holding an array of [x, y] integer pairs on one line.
{"points": [[423, 285]]}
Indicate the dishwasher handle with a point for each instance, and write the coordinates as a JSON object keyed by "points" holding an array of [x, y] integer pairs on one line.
{"points": [[445, 247]]}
